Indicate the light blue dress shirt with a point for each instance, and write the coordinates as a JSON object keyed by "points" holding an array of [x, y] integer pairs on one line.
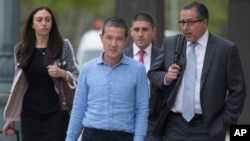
{"points": [[111, 98]]}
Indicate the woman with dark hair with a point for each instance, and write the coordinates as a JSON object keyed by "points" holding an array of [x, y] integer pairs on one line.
{"points": [[41, 57]]}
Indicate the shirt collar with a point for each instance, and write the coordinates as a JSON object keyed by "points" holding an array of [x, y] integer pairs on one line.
{"points": [[202, 41], [122, 61], [147, 50]]}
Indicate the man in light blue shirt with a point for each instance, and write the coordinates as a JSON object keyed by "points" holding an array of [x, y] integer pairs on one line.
{"points": [[111, 99]]}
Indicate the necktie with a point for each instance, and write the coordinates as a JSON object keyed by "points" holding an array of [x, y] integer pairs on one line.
{"points": [[189, 85], [141, 54]]}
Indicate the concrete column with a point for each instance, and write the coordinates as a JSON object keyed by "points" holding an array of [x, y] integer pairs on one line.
{"points": [[9, 29], [239, 32], [9, 36]]}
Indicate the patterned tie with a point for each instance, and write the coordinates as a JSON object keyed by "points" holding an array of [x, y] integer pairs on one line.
{"points": [[189, 85], [141, 54]]}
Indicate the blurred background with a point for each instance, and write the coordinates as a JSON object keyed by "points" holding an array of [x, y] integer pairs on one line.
{"points": [[76, 18]]}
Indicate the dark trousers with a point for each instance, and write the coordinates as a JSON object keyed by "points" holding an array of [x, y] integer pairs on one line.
{"points": [[177, 129], [91, 134], [51, 128], [151, 126]]}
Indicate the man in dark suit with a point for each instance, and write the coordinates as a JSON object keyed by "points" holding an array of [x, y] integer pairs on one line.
{"points": [[143, 33], [219, 88]]}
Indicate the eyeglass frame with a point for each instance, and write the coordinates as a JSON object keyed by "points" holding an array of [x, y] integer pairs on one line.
{"points": [[189, 23]]}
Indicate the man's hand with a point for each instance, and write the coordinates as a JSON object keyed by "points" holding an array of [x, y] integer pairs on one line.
{"points": [[173, 73]]}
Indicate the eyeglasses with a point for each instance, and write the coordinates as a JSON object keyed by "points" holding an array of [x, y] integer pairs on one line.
{"points": [[189, 23]]}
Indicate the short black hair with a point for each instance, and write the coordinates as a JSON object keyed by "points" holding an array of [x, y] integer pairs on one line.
{"points": [[202, 11], [115, 22], [144, 17]]}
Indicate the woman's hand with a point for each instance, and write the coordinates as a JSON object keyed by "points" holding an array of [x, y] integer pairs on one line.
{"points": [[56, 72], [9, 129]]}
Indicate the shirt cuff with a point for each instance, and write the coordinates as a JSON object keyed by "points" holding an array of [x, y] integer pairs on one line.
{"points": [[165, 82]]}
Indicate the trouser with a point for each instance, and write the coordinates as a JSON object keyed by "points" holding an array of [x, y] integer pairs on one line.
{"points": [[178, 129], [149, 136], [91, 134]]}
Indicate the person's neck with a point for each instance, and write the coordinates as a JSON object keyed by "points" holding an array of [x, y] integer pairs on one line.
{"points": [[111, 61], [42, 42]]}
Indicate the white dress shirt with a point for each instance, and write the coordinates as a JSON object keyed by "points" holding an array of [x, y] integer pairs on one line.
{"points": [[146, 57], [200, 53]]}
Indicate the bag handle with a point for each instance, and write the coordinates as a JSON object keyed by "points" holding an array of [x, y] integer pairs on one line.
{"points": [[178, 49], [177, 54]]}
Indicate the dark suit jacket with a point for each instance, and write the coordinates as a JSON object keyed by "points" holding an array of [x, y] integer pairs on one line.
{"points": [[222, 90], [154, 101]]}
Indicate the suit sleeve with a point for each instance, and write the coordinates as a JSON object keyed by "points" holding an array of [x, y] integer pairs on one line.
{"points": [[236, 88]]}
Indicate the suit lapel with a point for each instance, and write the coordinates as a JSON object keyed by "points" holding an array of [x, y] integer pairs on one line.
{"points": [[154, 55], [130, 52], [209, 55]]}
